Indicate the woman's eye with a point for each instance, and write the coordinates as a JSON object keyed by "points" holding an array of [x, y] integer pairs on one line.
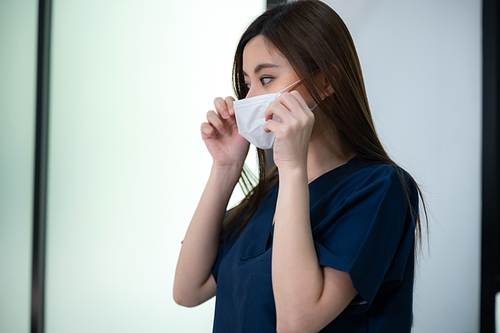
{"points": [[265, 80]]}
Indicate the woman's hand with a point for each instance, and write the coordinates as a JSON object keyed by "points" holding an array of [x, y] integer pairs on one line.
{"points": [[221, 136], [293, 133]]}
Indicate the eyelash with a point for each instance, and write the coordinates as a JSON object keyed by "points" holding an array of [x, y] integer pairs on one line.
{"points": [[261, 81]]}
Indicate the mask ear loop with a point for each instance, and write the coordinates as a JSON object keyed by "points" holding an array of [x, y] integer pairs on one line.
{"points": [[279, 93], [314, 107]]}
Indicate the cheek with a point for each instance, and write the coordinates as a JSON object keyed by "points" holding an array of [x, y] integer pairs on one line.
{"points": [[306, 96]]}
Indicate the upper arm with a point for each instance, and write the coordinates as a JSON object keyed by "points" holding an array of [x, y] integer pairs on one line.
{"points": [[203, 294], [208, 290], [338, 292], [338, 289]]}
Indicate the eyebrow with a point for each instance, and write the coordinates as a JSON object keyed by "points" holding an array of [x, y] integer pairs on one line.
{"points": [[261, 67]]}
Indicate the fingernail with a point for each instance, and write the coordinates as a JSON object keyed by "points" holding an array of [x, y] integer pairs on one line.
{"points": [[223, 130], [225, 114]]}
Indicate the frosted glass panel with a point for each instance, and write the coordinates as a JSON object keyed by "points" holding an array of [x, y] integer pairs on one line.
{"points": [[497, 312], [18, 40], [131, 82]]}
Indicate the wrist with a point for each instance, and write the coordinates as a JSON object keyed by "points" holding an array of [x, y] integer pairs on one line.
{"points": [[293, 175], [226, 175], [227, 169]]}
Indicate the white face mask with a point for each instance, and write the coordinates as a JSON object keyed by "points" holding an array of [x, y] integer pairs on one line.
{"points": [[250, 118]]}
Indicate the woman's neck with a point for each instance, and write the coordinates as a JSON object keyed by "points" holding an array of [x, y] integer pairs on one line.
{"points": [[325, 153]]}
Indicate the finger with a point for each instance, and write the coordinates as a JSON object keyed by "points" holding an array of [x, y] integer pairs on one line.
{"points": [[214, 120], [221, 107], [229, 102], [297, 106], [285, 109], [301, 100], [279, 110], [207, 131], [283, 106], [293, 101], [271, 126]]}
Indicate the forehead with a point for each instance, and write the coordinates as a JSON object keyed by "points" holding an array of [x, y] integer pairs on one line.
{"points": [[257, 51]]}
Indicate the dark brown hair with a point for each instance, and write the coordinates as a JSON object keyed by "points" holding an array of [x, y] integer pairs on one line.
{"points": [[314, 39]]}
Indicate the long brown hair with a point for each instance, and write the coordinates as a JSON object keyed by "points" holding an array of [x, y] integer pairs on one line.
{"points": [[313, 38]]}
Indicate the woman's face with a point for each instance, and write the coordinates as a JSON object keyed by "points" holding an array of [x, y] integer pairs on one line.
{"points": [[267, 71]]}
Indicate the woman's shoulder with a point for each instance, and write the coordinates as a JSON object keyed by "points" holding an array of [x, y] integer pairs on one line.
{"points": [[362, 189], [360, 174], [362, 169], [381, 178], [359, 168]]}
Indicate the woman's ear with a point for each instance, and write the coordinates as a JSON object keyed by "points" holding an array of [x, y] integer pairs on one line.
{"points": [[324, 86]]}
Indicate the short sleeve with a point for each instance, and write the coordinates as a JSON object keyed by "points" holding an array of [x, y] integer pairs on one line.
{"points": [[223, 246], [370, 233]]}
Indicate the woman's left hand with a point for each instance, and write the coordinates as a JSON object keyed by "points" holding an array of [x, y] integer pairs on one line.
{"points": [[293, 133]]}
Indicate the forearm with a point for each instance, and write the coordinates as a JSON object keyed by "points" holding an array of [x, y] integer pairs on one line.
{"points": [[297, 277], [200, 244]]}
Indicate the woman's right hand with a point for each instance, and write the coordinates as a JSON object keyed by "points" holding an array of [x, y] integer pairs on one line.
{"points": [[220, 133]]}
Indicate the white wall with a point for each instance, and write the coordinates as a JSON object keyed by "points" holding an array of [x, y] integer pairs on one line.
{"points": [[18, 41], [422, 66], [131, 82]]}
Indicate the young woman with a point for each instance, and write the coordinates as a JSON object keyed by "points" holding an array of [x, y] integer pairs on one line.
{"points": [[325, 241]]}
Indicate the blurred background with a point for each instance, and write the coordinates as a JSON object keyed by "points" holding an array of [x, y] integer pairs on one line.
{"points": [[130, 84]]}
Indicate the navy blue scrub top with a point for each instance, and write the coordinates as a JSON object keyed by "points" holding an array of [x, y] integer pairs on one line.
{"points": [[361, 224]]}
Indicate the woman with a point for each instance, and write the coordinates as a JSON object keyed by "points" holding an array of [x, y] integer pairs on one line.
{"points": [[325, 241]]}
